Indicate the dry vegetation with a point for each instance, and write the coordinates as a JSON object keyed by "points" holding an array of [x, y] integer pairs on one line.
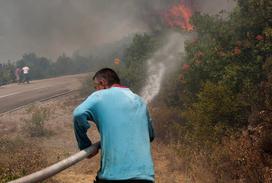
{"points": [[23, 152], [242, 157]]}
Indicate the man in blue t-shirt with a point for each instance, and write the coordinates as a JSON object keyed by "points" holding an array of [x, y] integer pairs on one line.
{"points": [[125, 128]]}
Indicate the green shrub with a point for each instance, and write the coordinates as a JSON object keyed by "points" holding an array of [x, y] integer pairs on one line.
{"points": [[133, 69], [224, 91], [35, 126]]}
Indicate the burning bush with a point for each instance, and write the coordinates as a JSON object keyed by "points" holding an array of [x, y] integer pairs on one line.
{"points": [[179, 16], [222, 129]]}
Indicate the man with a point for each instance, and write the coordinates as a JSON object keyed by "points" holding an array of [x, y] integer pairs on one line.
{"points": [[125, 129], [17, 75], [26, 74]]}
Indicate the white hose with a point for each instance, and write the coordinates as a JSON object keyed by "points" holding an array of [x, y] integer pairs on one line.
{"points": [[58, 167]]}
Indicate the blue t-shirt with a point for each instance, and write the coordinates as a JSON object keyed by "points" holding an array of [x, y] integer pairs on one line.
{"points": [[125, 129]]}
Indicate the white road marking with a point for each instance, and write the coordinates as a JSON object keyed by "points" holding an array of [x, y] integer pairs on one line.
{"points": [[3, 96], [14, 93]]}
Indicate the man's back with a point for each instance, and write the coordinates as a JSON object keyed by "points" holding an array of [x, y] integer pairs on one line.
{"points": [[25, 69], [123, 122]]}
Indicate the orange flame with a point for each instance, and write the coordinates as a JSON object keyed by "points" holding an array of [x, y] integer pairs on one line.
{"points": [[179, 16]]}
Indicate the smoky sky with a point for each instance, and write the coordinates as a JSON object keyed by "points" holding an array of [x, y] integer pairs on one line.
{"points": [[52, 27]]}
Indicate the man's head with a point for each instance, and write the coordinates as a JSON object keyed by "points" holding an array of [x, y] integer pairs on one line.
{"points": [[105, 78]]}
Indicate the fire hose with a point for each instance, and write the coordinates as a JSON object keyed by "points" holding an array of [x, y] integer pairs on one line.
{"points": [[58, 167]]}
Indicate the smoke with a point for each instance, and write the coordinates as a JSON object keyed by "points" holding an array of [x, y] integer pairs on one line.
{"points": [[214, 6], [164, 60], [52, 27], [167, 57]]}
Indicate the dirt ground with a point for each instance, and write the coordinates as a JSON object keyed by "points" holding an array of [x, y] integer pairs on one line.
{"points": [[61, 143]]}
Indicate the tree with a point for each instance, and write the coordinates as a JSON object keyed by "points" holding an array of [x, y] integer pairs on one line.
{"points": [[40, 67], [134, 67]]}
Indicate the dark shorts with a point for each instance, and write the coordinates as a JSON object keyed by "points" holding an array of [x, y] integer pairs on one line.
{"points": [[121, 181]]}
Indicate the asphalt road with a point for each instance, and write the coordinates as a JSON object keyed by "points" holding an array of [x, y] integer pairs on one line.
{"points": [[16, 95]]}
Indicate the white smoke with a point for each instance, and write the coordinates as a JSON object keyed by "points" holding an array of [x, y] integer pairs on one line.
{"points": [[164, 60]]}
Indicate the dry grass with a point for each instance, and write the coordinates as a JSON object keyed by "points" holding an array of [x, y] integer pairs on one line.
{"points": [[61, 144], [18, 159], [240, 157]]}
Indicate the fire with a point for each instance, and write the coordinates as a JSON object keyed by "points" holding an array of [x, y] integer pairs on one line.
{"points": [[117, 61], [185, 67], [179, 16], [259, 37]]}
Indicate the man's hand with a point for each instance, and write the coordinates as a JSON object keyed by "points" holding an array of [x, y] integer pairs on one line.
{"points": [[97, 147]]}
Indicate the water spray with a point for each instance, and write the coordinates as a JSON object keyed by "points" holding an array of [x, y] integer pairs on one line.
{"points": [[164, 60]]}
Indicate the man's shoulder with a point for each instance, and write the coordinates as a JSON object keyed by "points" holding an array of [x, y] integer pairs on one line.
{"points": [[112, 91], [136, 97], [98, 93]]}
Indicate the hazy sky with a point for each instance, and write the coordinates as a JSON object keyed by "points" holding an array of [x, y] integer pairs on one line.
{"points": [[52, 27]]}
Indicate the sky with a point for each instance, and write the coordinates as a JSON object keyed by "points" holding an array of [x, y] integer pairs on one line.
{"points": [[52, 27]]}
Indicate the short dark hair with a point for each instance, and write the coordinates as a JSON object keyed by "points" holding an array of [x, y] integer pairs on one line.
{"points": [[108, 74]]}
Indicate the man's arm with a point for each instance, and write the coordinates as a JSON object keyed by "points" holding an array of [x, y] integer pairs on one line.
{"points": [[81, 115], [81, 126]]}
